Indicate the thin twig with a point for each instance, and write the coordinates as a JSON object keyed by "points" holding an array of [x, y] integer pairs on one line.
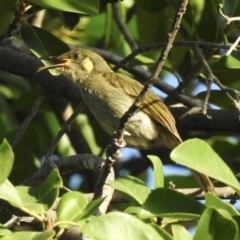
{"points": [[233, 46], [122, 27], [228, 19], [190, 77], [13, 220], [64, 128], [212, 77], [209, 81], [115, 144], [146, 47], [14, 27], [26, 122], [196, 193], [221, 192], [205, 102]]}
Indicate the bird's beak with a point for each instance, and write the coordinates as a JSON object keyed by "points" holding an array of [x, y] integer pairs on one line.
{"points": [[61, 63]]}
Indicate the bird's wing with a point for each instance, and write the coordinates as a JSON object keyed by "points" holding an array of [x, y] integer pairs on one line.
{"points": [[152, 105]]}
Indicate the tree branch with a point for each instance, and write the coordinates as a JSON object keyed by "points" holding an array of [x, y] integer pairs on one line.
{"points": [[122, 27]]}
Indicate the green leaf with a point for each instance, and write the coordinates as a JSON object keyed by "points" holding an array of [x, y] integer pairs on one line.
{"points": [[113, 36], [46, 235], [217, 98], [161, 232], [237, 220], [6, 160], [198, 155], [71, 206], [70, 20], [213, 201], [179, 232], [120, 226], [158, 171], [133, 210], [144, 60], [4, 231], [172, 204], [216, 224], [9, 194], [7, 11], [91, 208], [84, 6], [203, 14], [41, 199], [31, 200], [231, 62], [41, 42], [225, 73], [133, 189]]}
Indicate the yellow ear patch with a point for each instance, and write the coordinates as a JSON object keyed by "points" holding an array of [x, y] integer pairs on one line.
{"points": [[87, 64]]}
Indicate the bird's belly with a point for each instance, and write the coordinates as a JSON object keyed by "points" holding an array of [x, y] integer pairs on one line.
{"points": [[140, 129]]}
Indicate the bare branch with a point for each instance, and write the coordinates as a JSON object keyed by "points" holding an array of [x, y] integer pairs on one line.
{"points": [[63, 129], [122, 27], [196, 193], [223, 193], [193, 120], [228, 19], [213, 78], [233, 46], [14, 27], [146, 47]]}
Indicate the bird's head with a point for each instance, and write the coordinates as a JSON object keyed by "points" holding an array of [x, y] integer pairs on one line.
{"points": [[78, 62]]}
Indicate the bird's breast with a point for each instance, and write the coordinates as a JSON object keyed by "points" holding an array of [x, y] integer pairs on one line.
{"points": [[108, 106]]}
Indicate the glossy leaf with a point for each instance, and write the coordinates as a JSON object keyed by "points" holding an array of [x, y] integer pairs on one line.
{"points": [[85, 6], [213, 201], [120, 226], [179, 232], [197, 154], [71, 206], [9, 193], [218, 98], [237, 220], [132, 209], [158, 171], [91, 208], [31, 200], [46, 235], [164, 234], [69, 20], [172, 204], [113, 36], [7, 11], [131, 188], [41, 42], [4, 230], [41, 199], [227, 71], [216, 224], [6, 160]]}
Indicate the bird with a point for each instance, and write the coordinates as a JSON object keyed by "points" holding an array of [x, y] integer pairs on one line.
{"points": [[108, 95]]}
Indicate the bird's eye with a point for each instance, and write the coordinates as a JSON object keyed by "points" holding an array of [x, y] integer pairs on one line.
{"points": [[76, 56]]}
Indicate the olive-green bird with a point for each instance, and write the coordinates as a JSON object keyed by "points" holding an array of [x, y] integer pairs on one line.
{"points": [[109, 95]]}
